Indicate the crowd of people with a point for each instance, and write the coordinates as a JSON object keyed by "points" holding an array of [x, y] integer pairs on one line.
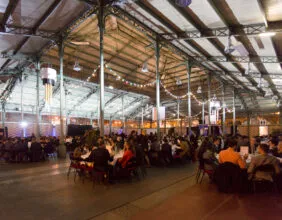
{"points": [[113, 153], [261, 160], [27, 149]]}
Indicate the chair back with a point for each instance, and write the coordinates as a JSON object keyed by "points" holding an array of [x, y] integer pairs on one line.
{"points": [[228, 177], [264, 172], [268, 168], [132, 163]]}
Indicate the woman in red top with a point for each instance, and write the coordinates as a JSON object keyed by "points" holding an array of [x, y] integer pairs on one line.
{"points": [[128, 154]]}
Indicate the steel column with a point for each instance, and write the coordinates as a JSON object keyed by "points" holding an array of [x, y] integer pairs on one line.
{"points": [[142, 118], [3, 116], [249, 126], [37, 126], [101, 24], [280, 116], [110, 124], [234, 114], [62, 147], [178, 102], [189, 66], [223, 110], [123, 117], [22, 112], [157, 53], [203, 112], [209, 102]]}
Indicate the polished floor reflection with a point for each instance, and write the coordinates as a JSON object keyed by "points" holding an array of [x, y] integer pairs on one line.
{"points": [[42, 191]]}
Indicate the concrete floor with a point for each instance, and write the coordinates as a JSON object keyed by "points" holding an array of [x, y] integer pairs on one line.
{"points": [[42, 191]]}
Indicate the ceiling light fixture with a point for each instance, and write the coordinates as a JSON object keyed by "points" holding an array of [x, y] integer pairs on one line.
{"points": [[145, 68], [199, 90], [76, 66], [267, 34], [229, 48], [178, 82], [183, 3]]}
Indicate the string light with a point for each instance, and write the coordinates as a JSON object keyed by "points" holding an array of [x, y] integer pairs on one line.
{"points": [[185, 95], [93, 74], [127, 82]]}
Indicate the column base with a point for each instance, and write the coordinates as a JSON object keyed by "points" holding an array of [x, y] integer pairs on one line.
{"points": [[62, 151]]}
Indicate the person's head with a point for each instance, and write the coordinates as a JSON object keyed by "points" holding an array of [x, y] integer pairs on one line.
{"points": [[216, 141], [273, 143], [280, 147], [127, 145], [263, 149], [101, 144], [206, 145], [165, 140], [232, 142]]}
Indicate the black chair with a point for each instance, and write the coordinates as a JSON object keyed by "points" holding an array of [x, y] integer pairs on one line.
{"points": [[228, 178], [269, 170]]}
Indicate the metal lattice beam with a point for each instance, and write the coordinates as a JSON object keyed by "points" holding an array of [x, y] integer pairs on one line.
{"points": [[249, 30], [42, 19], [9, 11], [84, 99], [114, 98], [239, 59]]}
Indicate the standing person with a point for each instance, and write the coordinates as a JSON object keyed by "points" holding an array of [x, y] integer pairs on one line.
{"points": [[35, 151]]}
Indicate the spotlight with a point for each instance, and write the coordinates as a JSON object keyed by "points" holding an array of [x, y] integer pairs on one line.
{"points": [[23, 124]]}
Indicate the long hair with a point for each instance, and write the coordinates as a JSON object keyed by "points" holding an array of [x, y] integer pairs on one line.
{"points": [[206, 145]]}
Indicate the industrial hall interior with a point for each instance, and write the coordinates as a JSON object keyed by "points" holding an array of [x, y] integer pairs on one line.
{"points": [[140, 109]]}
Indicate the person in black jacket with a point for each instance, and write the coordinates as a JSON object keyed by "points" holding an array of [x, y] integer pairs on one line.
{"points": [[100, 157], [35, 151], [166, 152]]}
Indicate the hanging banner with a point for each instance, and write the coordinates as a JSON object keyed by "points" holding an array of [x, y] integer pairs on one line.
{"points": [[161, 111]]}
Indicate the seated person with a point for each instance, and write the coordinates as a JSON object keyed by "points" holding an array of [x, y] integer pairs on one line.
{"points": [[128, 154], [166, 151], [273, 147], [263, 159], [77, 152], [100, 157], [184, 147], [216, 144], [230, 155], [279, 153], [206, 156]]}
